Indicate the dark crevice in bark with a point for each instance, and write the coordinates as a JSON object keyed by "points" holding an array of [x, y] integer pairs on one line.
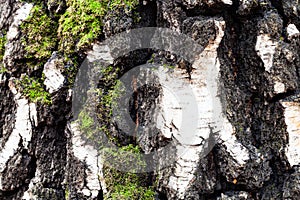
{"points": [[244, 69], [282, 96], [277, 4], [7, 110], [30, 173], [296, 42], [132, 59], [31, 168], [225, 185], [162, 196], [202, 10], [147, 13], [277, 177]]}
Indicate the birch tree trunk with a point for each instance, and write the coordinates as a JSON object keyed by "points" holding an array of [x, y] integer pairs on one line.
{"points": [[244, 83]]}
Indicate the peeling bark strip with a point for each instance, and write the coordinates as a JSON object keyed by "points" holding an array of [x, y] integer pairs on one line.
{"points": [[93, 165], [266, 49], [21, 135], [205, 91], [292, 119], [245, 83]]}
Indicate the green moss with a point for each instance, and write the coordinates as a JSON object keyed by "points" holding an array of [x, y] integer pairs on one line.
{"points": [[2, 44], [126, 185], [2, 50], [110, 99], [70, 71], [168, 66], [127, 4], [120, 185], [81, 25], [2, 69], [131, 191], [33, 89], [109, 96], [73, 31], [86, 124], [82, 22], [67, 193], [40, 35]]}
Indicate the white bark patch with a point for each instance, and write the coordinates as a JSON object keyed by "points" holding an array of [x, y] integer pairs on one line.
{"points": [[54, 79], [234, 195], [26, 116], [29, 194], [89, 155], [229, 2], [170, 114], [292, 30], [5, 11], [290, 56], [238, 152], [21, 14], [209, 2], [279, 87], [265, 48], [292, 120], [100, 51], [204, 84], [13, 31]]}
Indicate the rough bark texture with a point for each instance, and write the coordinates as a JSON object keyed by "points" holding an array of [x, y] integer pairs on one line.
{"points": [[252, 52]]}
